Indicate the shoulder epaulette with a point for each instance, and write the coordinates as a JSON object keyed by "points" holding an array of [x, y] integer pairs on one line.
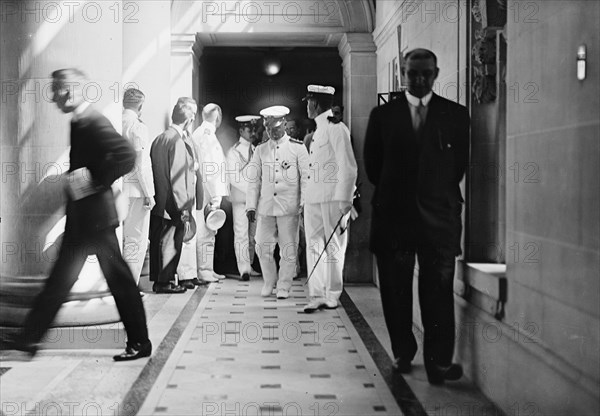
{"points": [[236, 145], [297, 141]]}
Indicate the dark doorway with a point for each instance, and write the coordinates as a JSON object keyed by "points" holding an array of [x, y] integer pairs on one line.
{"points": [[235, 78]]}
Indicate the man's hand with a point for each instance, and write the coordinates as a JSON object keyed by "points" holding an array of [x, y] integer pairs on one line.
{"points": [[149, 202], [345, 207], [251, 214], [185, 215]]}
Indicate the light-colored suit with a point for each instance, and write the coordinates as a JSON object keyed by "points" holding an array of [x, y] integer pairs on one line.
{"points": [[238, 164], [277, 180], [212, 164], [137, 186], [331, 183]]}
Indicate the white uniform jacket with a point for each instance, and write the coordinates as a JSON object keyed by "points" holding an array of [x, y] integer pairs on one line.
{"points": [[332, 166], [277, 177], [212, 162], [138, 183], [238, 160]]}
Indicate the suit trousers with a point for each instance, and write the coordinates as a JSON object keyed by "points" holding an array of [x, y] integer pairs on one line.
{"points": [[72, 255], [188, 265], [283, 231], [319, 222], [166, 241], [436, 299], [136, 228], [244, 233]]}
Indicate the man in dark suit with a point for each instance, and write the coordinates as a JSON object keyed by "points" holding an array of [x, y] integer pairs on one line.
{"points": [[416, 153], [173, 165], [98, 156]]}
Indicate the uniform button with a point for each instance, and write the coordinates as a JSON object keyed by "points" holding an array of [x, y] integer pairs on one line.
{"points": [[276, 158], [310, 165], [276, 182], [309, 177], [275, 194]]}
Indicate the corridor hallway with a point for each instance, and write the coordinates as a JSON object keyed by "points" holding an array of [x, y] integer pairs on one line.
{"points": [[225, 350]]}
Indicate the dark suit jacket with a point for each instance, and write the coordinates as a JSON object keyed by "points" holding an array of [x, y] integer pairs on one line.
{"points": [[173, 169], [96, 145], [417, 197]]}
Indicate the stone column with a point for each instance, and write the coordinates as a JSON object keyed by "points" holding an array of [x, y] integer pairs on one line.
{"points": [[360, 96], [183, 65], [147, 60], [39, 37]]}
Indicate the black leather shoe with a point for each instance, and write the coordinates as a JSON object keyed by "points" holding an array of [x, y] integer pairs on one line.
{"points": [[437, 374], [135, 351], [188, 284], [402, 366], [245, 277], [168, 288], [198, 282]]}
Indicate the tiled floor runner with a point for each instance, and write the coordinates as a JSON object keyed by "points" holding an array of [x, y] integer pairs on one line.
{"points": [[243, 354]]}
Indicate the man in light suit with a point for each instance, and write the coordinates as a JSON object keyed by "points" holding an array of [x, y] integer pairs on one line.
{"points": [[174, 181], [239, 172], [213, 166], [98, 156], [329, 194], [416, 152], [138, 185], [275, 198]]}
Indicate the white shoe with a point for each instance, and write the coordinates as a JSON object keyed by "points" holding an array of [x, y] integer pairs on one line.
{"points": [[314, 305], [254, 273], [219, 276], [331, 304], [266, 290], [209, 279], [283, 293]]}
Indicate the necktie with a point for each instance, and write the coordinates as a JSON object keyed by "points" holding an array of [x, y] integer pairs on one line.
{"points": [[419, 120], [250, 153]]}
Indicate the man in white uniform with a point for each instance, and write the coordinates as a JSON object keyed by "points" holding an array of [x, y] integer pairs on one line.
{"points": [[213, 166], [329, 193], [138, 185], [275, 198], [238, 164]]}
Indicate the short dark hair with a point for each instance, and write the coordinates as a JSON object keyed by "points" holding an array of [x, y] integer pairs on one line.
{"points": [[67, 76], [325, 101], [133, 98], [420, 53], [185, 109]]}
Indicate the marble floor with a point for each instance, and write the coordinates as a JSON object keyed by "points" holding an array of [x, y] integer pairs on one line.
{"points": [[225, 350]]}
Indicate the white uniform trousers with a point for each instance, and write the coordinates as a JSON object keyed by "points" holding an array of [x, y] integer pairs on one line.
{"points": [[243, 232], [205, 247], [281, 230], [319, 222], [188, 266], [136, 228]]}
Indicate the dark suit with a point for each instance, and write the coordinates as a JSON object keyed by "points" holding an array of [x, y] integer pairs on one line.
{"points": [[173, 169], [90, 229], [417, 208]]}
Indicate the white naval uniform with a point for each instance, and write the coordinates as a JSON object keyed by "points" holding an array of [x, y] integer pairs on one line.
{"points": [[238, 160], [277, 180], [137, 185], [332, 177], [213, 167]]}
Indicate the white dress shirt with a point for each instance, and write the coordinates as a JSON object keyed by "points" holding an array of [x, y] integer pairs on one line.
{"points": [[138, 183]]}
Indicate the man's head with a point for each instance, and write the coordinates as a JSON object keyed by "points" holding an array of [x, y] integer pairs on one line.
{"points": [[420, 71], [133, 99], [248, 126], [338, 112], [67, 88], [211, 113], [274, 121], [184, 112], [318, 100], [292, 128]]}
